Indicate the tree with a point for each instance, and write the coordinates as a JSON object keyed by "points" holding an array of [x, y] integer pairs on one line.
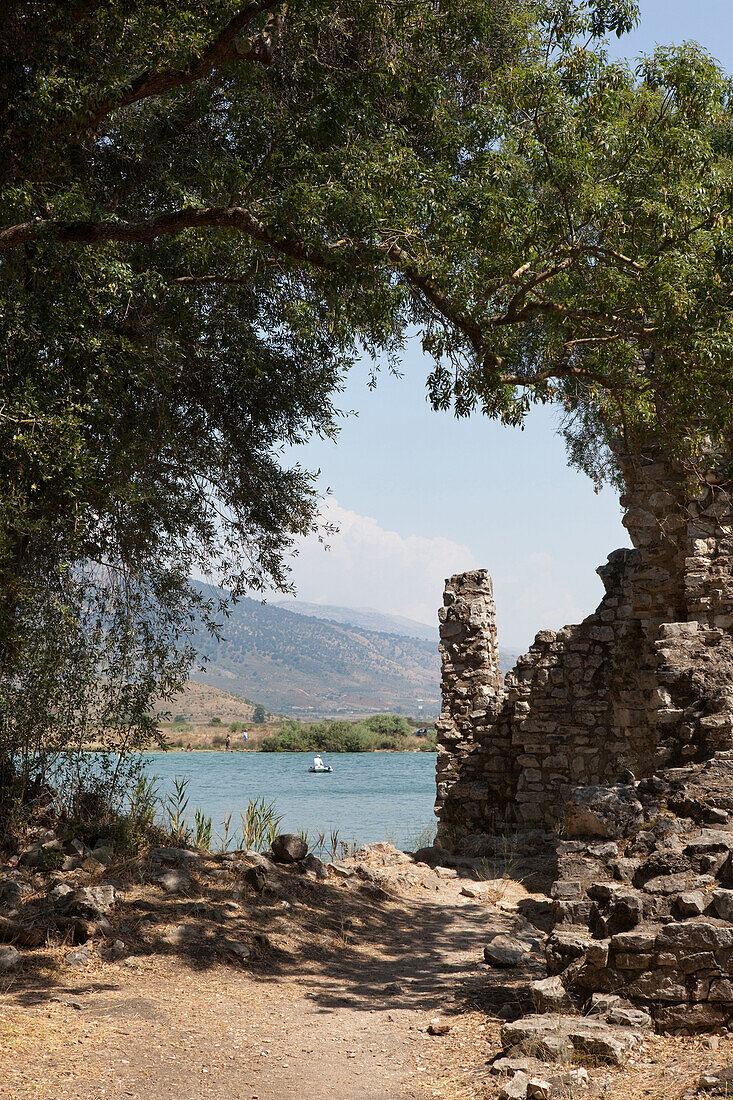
{"points": [[175, 308], [557, 224], [210, 212], [258, 714]]}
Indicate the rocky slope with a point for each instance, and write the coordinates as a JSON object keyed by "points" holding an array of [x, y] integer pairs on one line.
{"points": [[306, 667]]}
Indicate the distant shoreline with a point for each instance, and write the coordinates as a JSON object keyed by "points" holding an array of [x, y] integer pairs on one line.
{"points": [[279, 752]]}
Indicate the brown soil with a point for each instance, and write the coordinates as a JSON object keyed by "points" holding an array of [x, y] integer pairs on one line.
{"points": [[200, 702], [335, 1001]]}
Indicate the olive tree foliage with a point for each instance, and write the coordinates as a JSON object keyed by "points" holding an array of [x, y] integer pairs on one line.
{"points": [[178, 308], [210, 208]]}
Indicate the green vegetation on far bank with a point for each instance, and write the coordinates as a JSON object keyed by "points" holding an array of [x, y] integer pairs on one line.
{"points": [[380, 732]]}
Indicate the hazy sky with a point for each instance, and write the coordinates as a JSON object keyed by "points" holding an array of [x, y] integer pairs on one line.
{"points": [[418, 495]]}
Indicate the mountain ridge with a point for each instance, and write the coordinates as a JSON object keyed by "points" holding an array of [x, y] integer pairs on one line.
{"points": [[310, 667], [303, 663]]}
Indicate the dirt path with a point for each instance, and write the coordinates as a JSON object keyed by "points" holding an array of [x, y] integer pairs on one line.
{"points": [[337, 1005]]}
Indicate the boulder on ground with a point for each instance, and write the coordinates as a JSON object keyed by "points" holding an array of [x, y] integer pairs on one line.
{"points": [[516, 1088], [11, 894], [438, 1026], [180, 935], [474, 890], [10, 959], [312, 865], [173, 856], [607, 812], [562, 1038], [550, 995], [289, 848], [80, 957], [174, 882], [504, 952], [255, 878], [343, 870], [539, 1089], [90, 901], [114, 951], [235, 947], [434, 856]]}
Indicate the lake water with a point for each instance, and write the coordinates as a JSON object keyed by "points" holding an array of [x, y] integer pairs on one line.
{"points": [[368, 796]]}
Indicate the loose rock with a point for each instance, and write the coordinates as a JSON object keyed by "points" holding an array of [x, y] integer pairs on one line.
{"points": [[90, 901], [504, 952], [10, 959], [80, 957], [438, 1027], [289, 848], [550, 995], [560, 1038], [516, 1088], [255, 878], [174, 882]]}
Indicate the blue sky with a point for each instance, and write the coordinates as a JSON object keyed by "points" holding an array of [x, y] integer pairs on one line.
{"points": [[419, 495]]}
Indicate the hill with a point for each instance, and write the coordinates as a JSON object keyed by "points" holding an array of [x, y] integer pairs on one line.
{"points": [[304, 666], [370, 619], [364, 617], [202, 702]]}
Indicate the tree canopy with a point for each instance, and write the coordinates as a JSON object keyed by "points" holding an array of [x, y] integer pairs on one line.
{"points": [[174, 177], [210, 209]]}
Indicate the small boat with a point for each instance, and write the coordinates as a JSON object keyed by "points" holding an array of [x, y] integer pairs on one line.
{"points": [[320, 771]]}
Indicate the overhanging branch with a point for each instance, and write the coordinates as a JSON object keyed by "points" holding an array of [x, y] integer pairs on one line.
{"points": [[227, 47]]}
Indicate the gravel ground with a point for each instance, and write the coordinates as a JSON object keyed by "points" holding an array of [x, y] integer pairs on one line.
{"points": [[335, 999]]}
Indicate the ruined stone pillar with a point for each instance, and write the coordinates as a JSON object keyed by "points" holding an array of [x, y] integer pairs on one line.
{"points": [[474, 765], [681, 595]]}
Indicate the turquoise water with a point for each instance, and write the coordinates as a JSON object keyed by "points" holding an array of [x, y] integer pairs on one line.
{"points": [[368, 796]]}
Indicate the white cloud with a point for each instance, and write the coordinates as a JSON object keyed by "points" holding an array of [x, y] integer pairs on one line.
{"points": [[368, 566]]}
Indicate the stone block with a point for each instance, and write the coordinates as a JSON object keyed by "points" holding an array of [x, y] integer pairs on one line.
{"points": [[723, 904], [603, 812], [691, 903], [550, 995]]}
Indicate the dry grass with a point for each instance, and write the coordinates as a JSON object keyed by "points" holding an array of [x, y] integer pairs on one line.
{"points": [[312, 991], [204, 736]]}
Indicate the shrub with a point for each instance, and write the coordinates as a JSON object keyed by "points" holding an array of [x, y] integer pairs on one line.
{"points": [[215, 722], [389, 725]]}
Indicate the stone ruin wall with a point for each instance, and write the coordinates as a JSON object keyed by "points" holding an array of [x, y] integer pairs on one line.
{"points": [[644, 682]]}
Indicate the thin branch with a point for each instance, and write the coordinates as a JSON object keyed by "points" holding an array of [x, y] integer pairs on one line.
{"points": [[227, 47], [445, 306], [535, 281]]}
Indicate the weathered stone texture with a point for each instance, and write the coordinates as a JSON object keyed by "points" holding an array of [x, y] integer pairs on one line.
{"points": [[473, 772], [619, 732], [643, 683]]}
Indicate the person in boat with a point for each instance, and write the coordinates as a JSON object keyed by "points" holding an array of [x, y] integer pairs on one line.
{"points": [[317, 762]]}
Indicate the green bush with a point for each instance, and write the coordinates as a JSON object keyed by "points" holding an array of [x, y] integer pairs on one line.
{"points": [[215, 722], [389, 725], [336, 736]]}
